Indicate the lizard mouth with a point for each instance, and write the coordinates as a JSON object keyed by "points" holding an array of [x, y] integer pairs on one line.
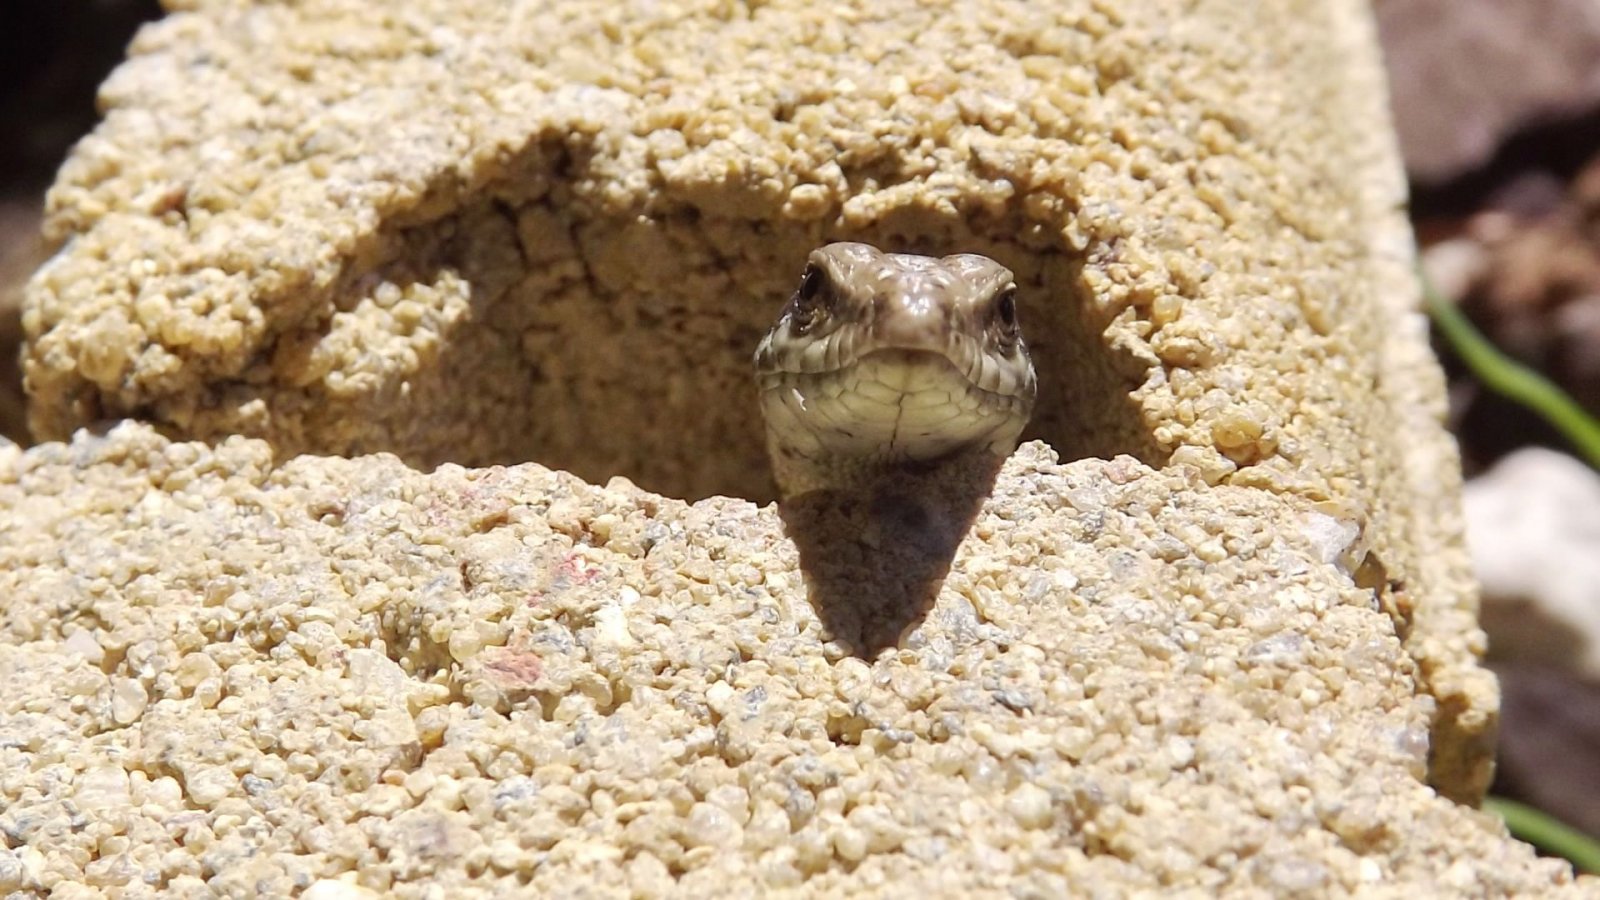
{"points": [[890, 404]]}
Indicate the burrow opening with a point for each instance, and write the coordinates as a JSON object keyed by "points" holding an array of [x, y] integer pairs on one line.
{"points": [[613, 346]]}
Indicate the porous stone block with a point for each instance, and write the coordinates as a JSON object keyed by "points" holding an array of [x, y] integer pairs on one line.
{"points": [[221, 674], [476, 232], [473, 233]]}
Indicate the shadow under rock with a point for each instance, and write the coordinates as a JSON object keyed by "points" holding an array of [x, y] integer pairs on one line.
{"points": [[875, 556]]}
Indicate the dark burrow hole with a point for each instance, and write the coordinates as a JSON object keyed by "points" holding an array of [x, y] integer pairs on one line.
{"points": [[608, 347], [514, 326]]}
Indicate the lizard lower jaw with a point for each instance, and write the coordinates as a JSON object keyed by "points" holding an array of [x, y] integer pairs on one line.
{"points": [[889, 405]]}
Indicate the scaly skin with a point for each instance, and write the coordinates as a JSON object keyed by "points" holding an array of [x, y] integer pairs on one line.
{"points": [[885, 359]]}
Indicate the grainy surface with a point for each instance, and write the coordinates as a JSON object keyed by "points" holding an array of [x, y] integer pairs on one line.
{"points": [[573, 228], [217, 674], [479, 233]]}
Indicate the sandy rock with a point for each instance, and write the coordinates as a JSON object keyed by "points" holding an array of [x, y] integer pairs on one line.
{"points": [[1233, 651], [468, 232], [361, 679]]}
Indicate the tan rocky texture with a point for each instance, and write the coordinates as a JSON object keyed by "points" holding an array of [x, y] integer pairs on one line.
{"points": [[222, 676], [474, 233], [471, 233]]}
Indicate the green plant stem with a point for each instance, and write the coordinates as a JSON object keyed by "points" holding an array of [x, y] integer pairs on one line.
{"points": [[1512, 379], [1547, 834]]}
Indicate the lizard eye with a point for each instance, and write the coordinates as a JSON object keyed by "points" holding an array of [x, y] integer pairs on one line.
{"points": [[1006, 309], [809, 299], [810, 287]]}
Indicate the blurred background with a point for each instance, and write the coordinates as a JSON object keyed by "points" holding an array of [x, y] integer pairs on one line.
{"points": [[1497, 103]]}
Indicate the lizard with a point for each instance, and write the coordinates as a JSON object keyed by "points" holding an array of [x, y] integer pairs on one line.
{"points": [[886, 360]]}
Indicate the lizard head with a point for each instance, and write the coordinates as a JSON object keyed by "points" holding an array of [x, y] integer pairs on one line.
{"points": [[892, 357]]}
